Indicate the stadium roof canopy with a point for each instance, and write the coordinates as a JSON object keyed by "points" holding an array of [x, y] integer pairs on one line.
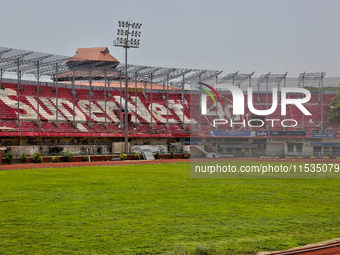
{"points": [[86, 63]]}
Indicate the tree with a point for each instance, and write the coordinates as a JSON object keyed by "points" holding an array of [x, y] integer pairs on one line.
{"points": [[67, 155], [37, 158], [24, 157], [9, 157], [55, 159], [171, 154], [334, 113]]}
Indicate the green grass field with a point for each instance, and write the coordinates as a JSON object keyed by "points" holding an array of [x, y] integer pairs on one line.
{"points": [[158, 209]]}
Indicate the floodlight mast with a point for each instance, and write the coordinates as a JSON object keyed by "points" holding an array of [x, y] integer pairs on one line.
{"points": [[124, 41]]}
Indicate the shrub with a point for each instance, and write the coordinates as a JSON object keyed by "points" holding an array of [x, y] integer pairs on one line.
{"points": [[136, 156], [186, 155], [157, 155], [287, 157], [9, 157], [85, 158], [277, 157], [67, 155], [37, 158], [325, 157], [24, 157], [300, 157], [123, 156], [171, 154], [55, 159], [312, 157], [262, 157]]}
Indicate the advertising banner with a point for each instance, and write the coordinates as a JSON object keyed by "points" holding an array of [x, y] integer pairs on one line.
{"points": [[324, 135], [326, 144], [262, 133], [288, 133], [232, 133]]}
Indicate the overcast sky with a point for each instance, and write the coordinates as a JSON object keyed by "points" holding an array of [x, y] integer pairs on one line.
{"points": [[240, 35]]}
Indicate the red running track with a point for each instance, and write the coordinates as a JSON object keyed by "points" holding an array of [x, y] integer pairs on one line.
{"points": [[326, 249], [138, 162]]}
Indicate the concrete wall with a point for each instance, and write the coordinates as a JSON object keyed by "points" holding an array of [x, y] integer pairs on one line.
{"points": [[119, 147], [160, 148], [275, 149], [29, 150]]}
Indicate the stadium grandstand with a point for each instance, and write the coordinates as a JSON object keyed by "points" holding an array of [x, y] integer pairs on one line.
{"points": [[51, 103]]}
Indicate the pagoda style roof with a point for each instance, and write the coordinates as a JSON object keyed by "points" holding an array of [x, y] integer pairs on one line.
{"points": [[86, 56]]}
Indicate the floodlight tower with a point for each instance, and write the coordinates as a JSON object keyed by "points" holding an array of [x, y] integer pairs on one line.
{"points": [[126, 29]]}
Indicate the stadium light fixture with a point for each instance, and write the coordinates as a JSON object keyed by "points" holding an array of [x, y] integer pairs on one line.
{"points": [[124, 40]]}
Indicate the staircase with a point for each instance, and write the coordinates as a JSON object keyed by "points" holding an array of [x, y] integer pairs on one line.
{"points": [[148, 155]]}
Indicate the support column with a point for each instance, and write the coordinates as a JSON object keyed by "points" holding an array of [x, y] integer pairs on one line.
{"points": [[74, 96], [167, 98], [126, 139], [163, 88], [151, 100], [249, 111], [183, 99], [136, 101], [303, 116], [56, 85], [267, 95], [200, 98], [19, 77], [90, 94], [1, 82], [233, 99], [105, 96], [38, 83], [120, 96], [322, 101], [284, 85], [108, 92]]}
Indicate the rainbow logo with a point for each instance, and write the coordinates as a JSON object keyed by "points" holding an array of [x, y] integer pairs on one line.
{"points": [[204, 110]]}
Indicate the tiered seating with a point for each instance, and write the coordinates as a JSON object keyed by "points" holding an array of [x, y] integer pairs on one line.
{"points": [[49, 126], [292, 112], [28, 126], [47, 112], [9, 124]]}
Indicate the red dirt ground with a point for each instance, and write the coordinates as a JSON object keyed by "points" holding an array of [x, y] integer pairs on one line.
{"points": [[325, 249], [135, 162], [94, 163]]}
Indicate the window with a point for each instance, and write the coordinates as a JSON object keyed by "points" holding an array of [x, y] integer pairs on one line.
{"points": [[290, 148], [326, 150], [336, 150], [317, 151], [299, 148]]}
